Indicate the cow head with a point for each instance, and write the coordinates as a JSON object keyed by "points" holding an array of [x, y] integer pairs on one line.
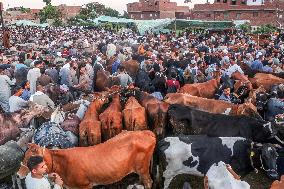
{"points": [[265, 157], [33, 150], [249, 110], [264, 130], [261, 100]]}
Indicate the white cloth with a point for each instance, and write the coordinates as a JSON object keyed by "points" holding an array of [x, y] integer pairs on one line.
{"points": [[111, 50], [32, 77], [232, 69], [35, 183], [38, 93]]}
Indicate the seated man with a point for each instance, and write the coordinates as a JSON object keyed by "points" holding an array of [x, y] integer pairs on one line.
{"points": [[36, 178], [42, 99], [16, 102], [228, 96]]}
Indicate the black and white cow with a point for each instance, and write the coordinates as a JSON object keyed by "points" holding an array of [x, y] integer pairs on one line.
{"points": [[189, 121], [194, 155]]}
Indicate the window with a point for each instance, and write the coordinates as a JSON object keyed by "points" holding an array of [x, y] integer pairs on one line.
{"points": [[243, 2], [225, 15], [218, 1], [151, 15], [234, 2], [255, 14], [238, 16], [208, 15], [224, 1], [141, 15]]}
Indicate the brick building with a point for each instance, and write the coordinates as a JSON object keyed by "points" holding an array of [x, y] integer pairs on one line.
{"points": [[68, 11], [258, 12], [17, 13], [156, 9]]}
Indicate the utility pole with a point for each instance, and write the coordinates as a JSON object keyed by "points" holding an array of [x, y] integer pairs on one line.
{"points": [[1, 14]]}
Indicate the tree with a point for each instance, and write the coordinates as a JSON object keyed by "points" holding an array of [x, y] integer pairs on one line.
{"points": [[47, 2], [125, 15], [94, 10], [49, 12], [246, 27], [265, 29]]}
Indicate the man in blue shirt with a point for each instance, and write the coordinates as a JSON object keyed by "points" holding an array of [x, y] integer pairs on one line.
{"points": [[257, 64], [115, 65]]}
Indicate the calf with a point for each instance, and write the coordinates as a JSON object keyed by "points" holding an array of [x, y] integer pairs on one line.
{"points": [[195, 154], [134, 115], [205, 90], [213, 106], [156, 112], [221, 176], [111, 119], [188, 121], [90, 126], [103, 164]]}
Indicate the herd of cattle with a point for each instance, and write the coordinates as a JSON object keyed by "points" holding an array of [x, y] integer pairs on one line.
{"points": [[126, 130]]}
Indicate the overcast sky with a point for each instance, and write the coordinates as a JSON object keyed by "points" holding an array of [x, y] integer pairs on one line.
{"points": [[119, 5]]}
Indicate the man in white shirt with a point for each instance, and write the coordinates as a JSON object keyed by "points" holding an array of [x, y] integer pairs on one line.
{"points": [[36, 179], [233, 68]]}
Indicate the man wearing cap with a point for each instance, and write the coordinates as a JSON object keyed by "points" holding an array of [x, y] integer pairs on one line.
{"points": [[257, 64], [33, 75]]}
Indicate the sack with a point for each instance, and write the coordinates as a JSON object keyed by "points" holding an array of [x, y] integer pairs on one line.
{"points": [[52, 135]]}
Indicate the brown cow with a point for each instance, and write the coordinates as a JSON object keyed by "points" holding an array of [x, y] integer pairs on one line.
{"points": [[111, 119], [205, 90], [213, 106], [242, 80], [11, 122], [278, 184], [131, 67], [103, 164], [104, 81], [90, 127], [156, 111], [266, 80], [134, 115]]}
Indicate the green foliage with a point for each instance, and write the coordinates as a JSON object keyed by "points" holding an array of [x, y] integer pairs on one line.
{"points": [[246, 27], [25, 10], [49, 12], [125, 15], [47, 2], [94, 10], [265, 29]]}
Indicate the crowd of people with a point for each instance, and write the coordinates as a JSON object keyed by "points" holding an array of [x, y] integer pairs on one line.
{"points": [[71, 57]]}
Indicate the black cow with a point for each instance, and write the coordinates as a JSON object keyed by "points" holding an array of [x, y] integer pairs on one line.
{"points": [[195, 154], [189, 121]]}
